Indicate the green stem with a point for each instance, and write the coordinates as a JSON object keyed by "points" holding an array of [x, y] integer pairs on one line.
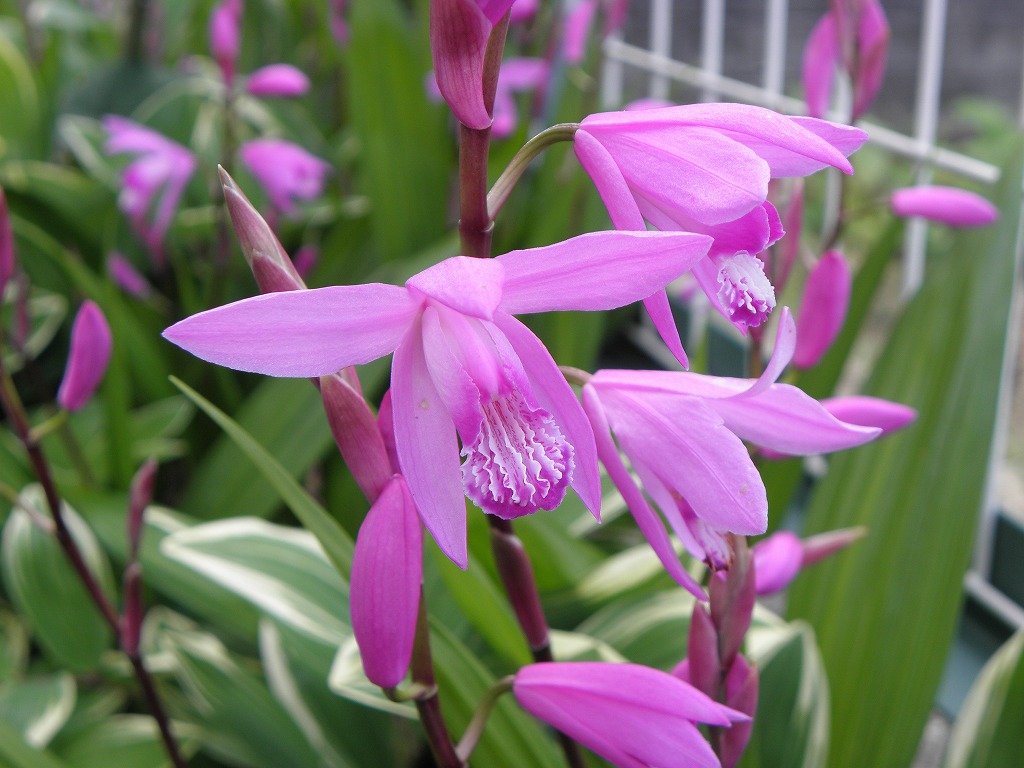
{"points": [[517, 167], [475, 728]]}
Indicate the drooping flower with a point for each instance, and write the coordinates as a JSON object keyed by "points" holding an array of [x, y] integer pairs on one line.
{"points": [[225, 36], [853, 35], [91, 344], [823, 308], [705, 168], [152, 184], [277, 80], [683, 433], [946, 205], [631, 715], [463, 365], [286, 171], [459, 31]]}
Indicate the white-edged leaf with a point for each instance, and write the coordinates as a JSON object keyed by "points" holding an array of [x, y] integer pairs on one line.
{"points": [[38, 707]]}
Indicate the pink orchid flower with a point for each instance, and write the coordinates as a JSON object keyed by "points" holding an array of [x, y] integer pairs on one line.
{"points": [[277, 80], [459, 31], [684, 433], [854, 35], [226, 37], [946, 205], [631, 715], [91, 344], [152, 184], [705, 168], [580, 20], [462, 364], [286, 171], [523, 10]]}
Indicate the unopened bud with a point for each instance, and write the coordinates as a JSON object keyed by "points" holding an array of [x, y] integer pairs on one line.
{"points": [[91, 344], [139, 497]]}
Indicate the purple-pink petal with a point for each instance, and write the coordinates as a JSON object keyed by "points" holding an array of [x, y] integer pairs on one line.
{"points": [[873, 48], [785, 344], [385, 585], [596, 271], [823, 308], [124, 273], [946, 205], [870, 412], [300, 333], [777, 561], [286, 171], [470, 286], [608, 179], [91, 345], [428, 449], [281, 80], [821, 60], [576, 31]]}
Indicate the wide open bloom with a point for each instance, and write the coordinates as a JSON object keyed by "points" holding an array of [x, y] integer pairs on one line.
{"points": [[152, 184], [705, 168], [631, 715], [853, 35], [463, 365], [286, 171], [459, 31], [683, 434]]}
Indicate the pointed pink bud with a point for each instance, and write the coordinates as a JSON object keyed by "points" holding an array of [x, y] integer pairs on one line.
{"points": [[339, 27], [277, 80], [872, 51], [459, 31], [130, 629], [867, 411], [385, 585], [127, 277], [358, 437], [741, 690], [225, 36], [823, 545], [139, 497], [703, 665], [823, 310], [628, 714], [6, 244], [733, 594], [269, 262], [777, 561], [821, 59], [91, 343], [946, 205]]}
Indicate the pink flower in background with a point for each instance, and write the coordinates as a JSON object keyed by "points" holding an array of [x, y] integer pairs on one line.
{"points": [[152, 184], [91, 344], [7, 259], [683, 433], [853, 35], [124, 273], [580, 20], [459, 30], [823, 308], [705, 168], [780, 557], [946, 205], [277, 80], [339, 27], [286, 171], [225, 36], [523, 10], [631, 715], [462, 364]]}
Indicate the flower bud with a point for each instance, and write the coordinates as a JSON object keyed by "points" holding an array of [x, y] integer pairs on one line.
{"points": [[91, 344], [823, 309], [225, 36], [277, 80], [946, 205]]}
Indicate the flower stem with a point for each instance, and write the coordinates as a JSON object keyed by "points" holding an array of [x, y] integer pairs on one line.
{"points": [[15, 411], [429, 705], [517, 167], [475, 728]]}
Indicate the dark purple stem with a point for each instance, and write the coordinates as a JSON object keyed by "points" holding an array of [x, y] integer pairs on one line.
{"points": [[429, 705]]}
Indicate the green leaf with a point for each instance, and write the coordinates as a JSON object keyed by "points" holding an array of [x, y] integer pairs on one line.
{"points": [[125, 740], [15, 753], [284, 415], [650, 630], [280, 570], [337, 544], [988, 731], [38, 707], [19, 100], [13, 646], [885, 611], [791, 726], [46, 589]]}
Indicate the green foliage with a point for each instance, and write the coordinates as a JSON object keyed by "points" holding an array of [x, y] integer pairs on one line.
{"points": [[885, 611]]}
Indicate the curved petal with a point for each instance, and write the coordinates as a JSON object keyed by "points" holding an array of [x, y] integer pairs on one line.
{"points": [[554, 395], [870, 412], [785, 344], [467, 285], [300, 333], [428, 450], [821, 58], [611, 186], [647, 519], [660, 310], [785, 419], [823, 308], [596, 271], [458, 41], [387, 569], [873, 44]]}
